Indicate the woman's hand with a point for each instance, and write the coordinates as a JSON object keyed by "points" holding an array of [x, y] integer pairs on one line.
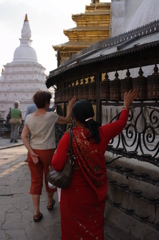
{"points": [[129, 97], [67, 119], [72, 102], [34, 157]]}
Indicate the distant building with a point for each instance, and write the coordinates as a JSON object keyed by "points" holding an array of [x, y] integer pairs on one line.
{"points": [[23, 76], [92, 26]]}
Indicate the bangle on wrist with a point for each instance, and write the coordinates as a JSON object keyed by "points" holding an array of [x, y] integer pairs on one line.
{"points": [[125, 108]]}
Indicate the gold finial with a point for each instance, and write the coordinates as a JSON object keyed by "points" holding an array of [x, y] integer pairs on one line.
{"points": [[26, 18], [95, 1], [2, 69]]}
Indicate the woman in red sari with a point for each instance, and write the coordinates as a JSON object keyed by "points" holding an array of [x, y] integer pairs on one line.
{"points": [[82, 204]]}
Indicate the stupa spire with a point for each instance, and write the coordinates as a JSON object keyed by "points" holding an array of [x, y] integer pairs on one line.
{"points": [[26, 32], [26, 18], [95, 1]]}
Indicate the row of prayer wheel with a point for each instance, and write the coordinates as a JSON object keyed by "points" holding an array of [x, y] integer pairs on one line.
{"points": [[82, 89], [147, 88]]}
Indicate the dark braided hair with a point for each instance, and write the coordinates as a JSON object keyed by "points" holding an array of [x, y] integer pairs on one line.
{"points": [[84, 113]]}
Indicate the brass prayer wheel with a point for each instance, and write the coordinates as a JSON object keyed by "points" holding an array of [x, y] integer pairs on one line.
{"points": [[75, 90], [85, 89], [57, 95], [80, 90], [105, 88], [126, 84], [92, 90], [115, 93], [153, 85], [62, 93], [66, 92], [71, 91], [140, 83]]}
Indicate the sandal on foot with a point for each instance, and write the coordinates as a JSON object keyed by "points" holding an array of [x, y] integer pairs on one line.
{"points": [[50, 206], [37, 218]]}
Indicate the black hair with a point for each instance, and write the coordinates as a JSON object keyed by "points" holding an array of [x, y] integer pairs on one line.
{"points": [[82, 111]]}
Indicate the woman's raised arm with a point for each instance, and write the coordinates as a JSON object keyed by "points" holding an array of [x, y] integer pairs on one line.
{"points": [[67, 119]]}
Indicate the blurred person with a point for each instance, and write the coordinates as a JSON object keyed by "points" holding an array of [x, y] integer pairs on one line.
{"points": [[30, 109], [15, 121]]}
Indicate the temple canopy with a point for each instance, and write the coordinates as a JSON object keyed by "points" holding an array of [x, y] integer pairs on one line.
{"points": [[101, 55]]}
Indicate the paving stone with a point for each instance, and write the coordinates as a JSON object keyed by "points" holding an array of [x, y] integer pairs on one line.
{"points": [[13, 177], [54, 231], [2, 235], [5, 191], [27, 215], [19, 184], [18, 208], [4, 167], [16, 235], [4, 208], [22, 175], [15, 226], [49, 219], [2, 218], [8, 183], [37, 232], [24, 199], [8, 200], [17, 190], [13, 217]]}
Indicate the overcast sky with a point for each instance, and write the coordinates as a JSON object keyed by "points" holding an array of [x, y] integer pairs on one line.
{"points": [[47, 19]]}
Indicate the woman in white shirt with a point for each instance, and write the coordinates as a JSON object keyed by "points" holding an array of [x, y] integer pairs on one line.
{"points": [[41, 126]]}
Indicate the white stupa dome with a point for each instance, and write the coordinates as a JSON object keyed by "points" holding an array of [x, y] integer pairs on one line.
{"points": [[25, 53]]}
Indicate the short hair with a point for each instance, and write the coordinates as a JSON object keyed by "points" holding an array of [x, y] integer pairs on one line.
{"points": [[16, 104], [40, 98]]}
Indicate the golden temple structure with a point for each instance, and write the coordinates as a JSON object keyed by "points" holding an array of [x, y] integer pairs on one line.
{"points": [[92, 26]]}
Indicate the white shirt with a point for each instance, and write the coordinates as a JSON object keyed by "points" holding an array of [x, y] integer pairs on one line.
{"points": [[42, 129]]}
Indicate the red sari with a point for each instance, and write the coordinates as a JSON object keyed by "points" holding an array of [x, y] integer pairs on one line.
{"points": [[82, 204]]}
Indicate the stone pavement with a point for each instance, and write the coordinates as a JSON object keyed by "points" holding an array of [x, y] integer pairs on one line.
{"points": [[16, 208], [5, 143]]}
